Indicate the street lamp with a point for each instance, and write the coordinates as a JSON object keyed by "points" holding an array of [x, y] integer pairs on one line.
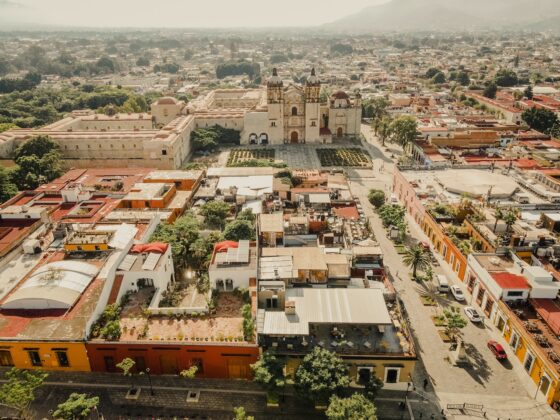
{"points": [[150, 381]]}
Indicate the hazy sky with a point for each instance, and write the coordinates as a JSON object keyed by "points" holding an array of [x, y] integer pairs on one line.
{"points": [[180, 13]]}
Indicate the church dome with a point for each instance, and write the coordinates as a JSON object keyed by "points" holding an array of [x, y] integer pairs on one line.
{"points": [[339, 94], [275, 80]]}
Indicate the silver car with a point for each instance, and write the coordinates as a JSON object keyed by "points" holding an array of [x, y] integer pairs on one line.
{"points": [[472, 314], [457, 293]]}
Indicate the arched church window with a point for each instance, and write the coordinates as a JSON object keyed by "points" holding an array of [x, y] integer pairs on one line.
{"points": [[294, 110]]}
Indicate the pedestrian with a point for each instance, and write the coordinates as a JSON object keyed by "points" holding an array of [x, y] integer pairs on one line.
{"points": [[425, 383]]}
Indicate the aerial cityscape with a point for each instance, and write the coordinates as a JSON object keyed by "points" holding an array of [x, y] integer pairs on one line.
{"points": [[335, 211]]}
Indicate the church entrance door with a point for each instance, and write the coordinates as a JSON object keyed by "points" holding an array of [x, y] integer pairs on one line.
{"points": [[339, 132], [294, 138]]}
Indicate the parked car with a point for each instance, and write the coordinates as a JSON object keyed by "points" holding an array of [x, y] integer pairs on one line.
{"points": [[472, 314], [457, 293], [497, 349]]}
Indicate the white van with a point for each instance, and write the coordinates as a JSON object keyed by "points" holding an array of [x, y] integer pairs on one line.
{"points": [[442, 283]]}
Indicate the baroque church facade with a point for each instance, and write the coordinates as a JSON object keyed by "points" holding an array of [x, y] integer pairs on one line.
{"points": [[295, 114]]}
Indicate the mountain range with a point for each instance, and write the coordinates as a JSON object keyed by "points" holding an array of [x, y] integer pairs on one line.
{"points": [[446, 15]]}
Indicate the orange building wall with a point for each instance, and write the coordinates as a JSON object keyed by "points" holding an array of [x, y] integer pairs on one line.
{"points": [[218, 361]]}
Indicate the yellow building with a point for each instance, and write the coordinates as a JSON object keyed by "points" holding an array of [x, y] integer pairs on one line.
{"points": [[541, 364], [45, 355], [88, 241]]}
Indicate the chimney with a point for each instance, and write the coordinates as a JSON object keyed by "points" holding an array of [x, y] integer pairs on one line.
{"points": [[290, 307]]}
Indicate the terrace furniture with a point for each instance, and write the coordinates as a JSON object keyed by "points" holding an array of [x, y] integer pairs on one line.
{"points": [[334, 344], [350, 344], [367, 344], [321, 343]]}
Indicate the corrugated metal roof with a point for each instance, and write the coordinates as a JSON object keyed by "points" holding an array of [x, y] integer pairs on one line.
{"points": [[327, 306]]}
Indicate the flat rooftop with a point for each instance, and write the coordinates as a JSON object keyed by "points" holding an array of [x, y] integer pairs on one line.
{"points": [[147, 191], [174, 175]]}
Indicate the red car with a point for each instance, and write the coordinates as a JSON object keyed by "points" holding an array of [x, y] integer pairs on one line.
{"points": [[497, 349]]}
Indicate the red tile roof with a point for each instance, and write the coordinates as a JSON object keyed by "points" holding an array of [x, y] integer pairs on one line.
{"points": [[347, 212], [549, 310], [510, 281]]}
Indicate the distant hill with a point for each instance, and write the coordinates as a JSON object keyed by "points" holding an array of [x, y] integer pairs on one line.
{"points": [[408, 15]]}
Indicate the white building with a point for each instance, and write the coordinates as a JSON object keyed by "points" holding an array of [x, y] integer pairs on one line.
{"points": [[275, 114]]}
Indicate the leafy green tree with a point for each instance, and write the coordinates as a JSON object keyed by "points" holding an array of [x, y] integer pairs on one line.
{"points": [[320, 375], [455, 322], [385, 129], [38, 161], [417, 258], [439, 78], [127, 365], [355, 407], [391, 214], [248, 214], [6, 126], [215, 213], [269, 371], [463, 78], [7, 188], [190, 372], [404, 130], [342, 49], [77, 406], [248, 323], [431, 72], [509, 219], [372, 387], [490, 90], [241, 414], [376, 198], [498, 215], [378, 109], [18, 390], [506, 78], [528, 92], [542, 120], [238, 230]]}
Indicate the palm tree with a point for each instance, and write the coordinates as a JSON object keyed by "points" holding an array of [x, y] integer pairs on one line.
{"points": [[384, 129], [510, 219], [498, 215], [417, 258]]}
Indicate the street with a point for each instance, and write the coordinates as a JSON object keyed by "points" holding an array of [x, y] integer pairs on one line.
{"points": [[503, 388]]}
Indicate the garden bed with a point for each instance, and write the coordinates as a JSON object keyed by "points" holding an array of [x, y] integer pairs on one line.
{"points": [[237, 156], [445, 337], [348, 156], [427, 301], [439, 321], [401, 249]]}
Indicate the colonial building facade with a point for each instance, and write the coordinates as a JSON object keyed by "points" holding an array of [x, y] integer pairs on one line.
{"points": [[275, 114]]}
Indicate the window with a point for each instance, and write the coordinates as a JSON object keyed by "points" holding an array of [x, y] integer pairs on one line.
{"points": [[313, 124], [294, 110], [529, 360], [147, 204], [514, 342], [272, 302], [35, 358], [515, 294], [164, 152], [62, 358], [545, 384], [444, 253], [199, 364], [452, 260], [364, 374], [273, 124], [6, 358], [457, 266], [79, 248], [392, 375], [97, 248]]}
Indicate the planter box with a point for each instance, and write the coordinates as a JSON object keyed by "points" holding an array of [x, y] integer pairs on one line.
{"points": [[272, 400], [426, 301], [133, 393], [439, 322], [445, 337]]}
